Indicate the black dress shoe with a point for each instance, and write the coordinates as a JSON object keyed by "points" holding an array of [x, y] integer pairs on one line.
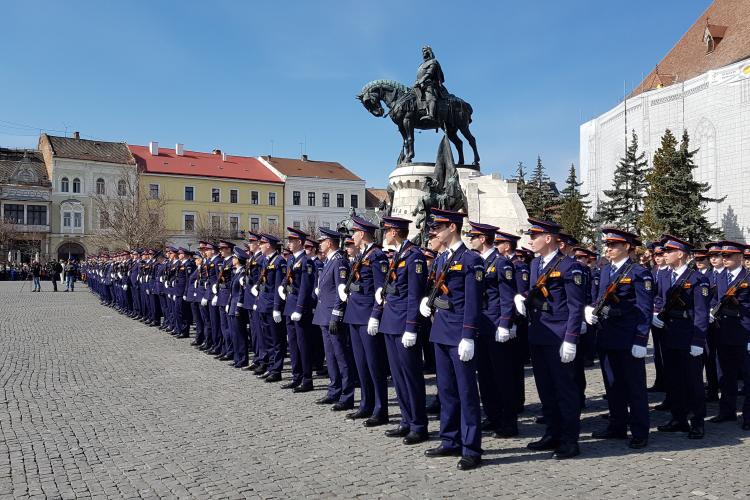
{"points": [[325, 401], [264, 375], [415, 438], [303, 388], [290, 385], [468, 463], [540, 420], [487, 425], [397, 432], [674, 426], [722, 418], [696, 432], [260, 370], [342, 407], [506, 432], [638, 443], [183, 336], [663, 406], [546, 443], [609, 434], [566, 451], [273, 377], [358, 414], [195, 343], [442, 451], [248, 368], [375, 422]]}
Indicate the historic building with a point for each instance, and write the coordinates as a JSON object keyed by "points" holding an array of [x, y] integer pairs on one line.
{"points": [[317, 193], [207, 194], [79, 170], [702, 85], [25, 193]]}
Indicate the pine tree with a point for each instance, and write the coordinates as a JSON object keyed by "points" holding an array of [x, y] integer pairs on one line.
{"points": [[573, 215], [624, 207], [520, 179], [658, 198], [538, 195]]}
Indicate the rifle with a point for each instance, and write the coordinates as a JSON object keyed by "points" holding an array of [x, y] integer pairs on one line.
{"points": [[674, 297], [729, 296], [354, 275], [540, 287], [439, 284], [391, 275], [609, 293]]}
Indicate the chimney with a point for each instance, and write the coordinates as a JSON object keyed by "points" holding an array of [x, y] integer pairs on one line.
{"points": [[223, 157], [304, 157], [216, 152], [179, 149], [76, 135], [153, 148]]}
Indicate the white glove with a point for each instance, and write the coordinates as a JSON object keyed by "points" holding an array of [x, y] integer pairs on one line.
{"points": [[281, 292], [408, 339], [317, 291], [638, 351], [254, 290], [696, 351], [584, 328], [214, 300], [424, 309], [501, 335], [242, 281], [466, 349], [214, 289], [184, 297], [520, 302], [240, 304], [748, 347], [342, 292], [512, 331], [591, 318], [379, 295], [295, 316], [657, 322], [373, 325], [255, 307], [174, 298], [204, 301], [226, 308], [148, 292], [567, 352], [161, 279], [124, 287], [276, 317], [711, 317]]}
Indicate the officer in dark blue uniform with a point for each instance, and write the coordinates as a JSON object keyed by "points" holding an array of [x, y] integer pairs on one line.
{"points": [[185, 268], [269, 306], [236, 314], [623, 309], [397, 312], [211, 261], [457, 306], [223, 292], [312, 248], [659, 268], [252, 274], [329, 316], [731, 314], [681, 308], [367, 275], [715, 275], [554, 305], [194, 296]]}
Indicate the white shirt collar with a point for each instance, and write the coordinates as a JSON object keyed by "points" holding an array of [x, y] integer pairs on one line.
{"points": [[454, 247], [734, 274], [298, 253], [330, 253], [680, 270], [618, 265], [546, 260], [718, 269], [487, 254]]}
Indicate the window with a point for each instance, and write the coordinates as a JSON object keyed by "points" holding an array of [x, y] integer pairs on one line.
{"points": [[36, 215], [215, 195], [340, 200], [326, 225], [216, 221], [234, 223], [100, 186], [296, 225], [272, 199], [64, 186], [296, 195], [311, 199], [189, 193], [272, 223], [189, 223], [153, 191], [14, 213], [121, 188], [254, 198], [76, 185], [326, 200], [254, 223], [66, 219], [232, 196], [77, 219], [355, 201]]}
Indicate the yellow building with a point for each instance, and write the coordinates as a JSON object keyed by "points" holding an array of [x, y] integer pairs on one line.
{"points": [[207, 195]]}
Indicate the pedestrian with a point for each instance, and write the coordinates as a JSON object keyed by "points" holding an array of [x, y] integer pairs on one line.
{"points": [[36, 273], [70, 275]]}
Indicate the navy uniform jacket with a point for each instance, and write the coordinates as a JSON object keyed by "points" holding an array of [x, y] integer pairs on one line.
{"points": [[224, 283], [713, 280], [734, 318], [522, 276], [335, 272], [236, 291], [399, 312], [459, 311], [626, 322], [596, 277], [194, 293], [301, 273], [251, 278], [184, 270], [587, 279], [134, 271], [361, 301], [559, 317], [499, 290], [274, 267], [687, 324], [213, 265]]}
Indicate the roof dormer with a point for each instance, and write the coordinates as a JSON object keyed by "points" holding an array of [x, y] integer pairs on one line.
{"points": [[712, 35]]}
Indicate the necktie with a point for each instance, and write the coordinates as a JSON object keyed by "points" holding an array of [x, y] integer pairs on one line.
{"points": [[612, 272], [674, 277], [540, 268], [730, 278]]}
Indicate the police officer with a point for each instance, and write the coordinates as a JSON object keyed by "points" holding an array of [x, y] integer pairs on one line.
{"points": [[269, 306], [194, 295], [657, 333], [623, 309], [236, 314], [554, 305], [715, 275], [457, 305], [183, 314], [681, 308], [252, 274]]}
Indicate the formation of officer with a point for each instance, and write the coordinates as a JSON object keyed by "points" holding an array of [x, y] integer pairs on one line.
{"points": [[473, 306]]}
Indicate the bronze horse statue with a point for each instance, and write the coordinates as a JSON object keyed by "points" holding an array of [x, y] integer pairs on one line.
{"points": [[454, 114]]}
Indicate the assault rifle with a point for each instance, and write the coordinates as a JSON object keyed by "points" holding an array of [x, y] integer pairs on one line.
{"points": [[610, 292]]}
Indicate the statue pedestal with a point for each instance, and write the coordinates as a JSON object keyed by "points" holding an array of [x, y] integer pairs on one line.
{"points": [[490, 198]]}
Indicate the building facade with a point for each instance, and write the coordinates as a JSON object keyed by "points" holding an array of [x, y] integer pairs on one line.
{"points": [[25, 194], [317, 193], [703, 86], [209, 194]]}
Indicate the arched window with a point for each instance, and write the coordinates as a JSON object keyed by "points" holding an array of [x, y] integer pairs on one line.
{"points": [[100, 186], [64, 186], [121, 188], [76, 185]]}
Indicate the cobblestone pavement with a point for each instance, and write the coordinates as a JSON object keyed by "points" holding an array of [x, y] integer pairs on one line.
{"points": [[94, 404]]}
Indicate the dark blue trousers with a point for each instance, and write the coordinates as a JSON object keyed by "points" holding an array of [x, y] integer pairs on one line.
{"points": [[340, 366], [408, 379], [272, 337], [239, 328], [200, 334], [685, 384], [208, 340], [298, 333], [370, 359], [226, 333], [734, 360], [218, 339], [497, 373], [627, 396]]}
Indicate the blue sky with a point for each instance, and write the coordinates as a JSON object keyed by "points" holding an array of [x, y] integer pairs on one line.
{"points": [[248, 76]]}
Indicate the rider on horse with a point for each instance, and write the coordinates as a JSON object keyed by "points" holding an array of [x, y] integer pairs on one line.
{"points": [[429, 85]]}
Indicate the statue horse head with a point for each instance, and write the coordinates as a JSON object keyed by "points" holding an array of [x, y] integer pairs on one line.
{"points": [[378, 91]]}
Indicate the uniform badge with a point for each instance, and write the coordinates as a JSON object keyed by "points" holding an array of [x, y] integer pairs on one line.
{"points": [[508, 274], [647, 284], [525, 276], [383, 267], [309, 269], [555, 274], [418, 269], [578, 279], [342, 274], [704, 291], [402, 263], [479, 275]]}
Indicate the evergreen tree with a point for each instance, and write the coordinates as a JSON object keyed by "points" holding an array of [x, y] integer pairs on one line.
{"points": [[520, 179], [538, 195], [624, 206], [573, 215], [658, 197]]}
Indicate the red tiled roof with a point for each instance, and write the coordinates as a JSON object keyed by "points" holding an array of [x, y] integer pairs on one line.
{"points": [[202, 164], [728, 22], [292, 167], [374, 197]]}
